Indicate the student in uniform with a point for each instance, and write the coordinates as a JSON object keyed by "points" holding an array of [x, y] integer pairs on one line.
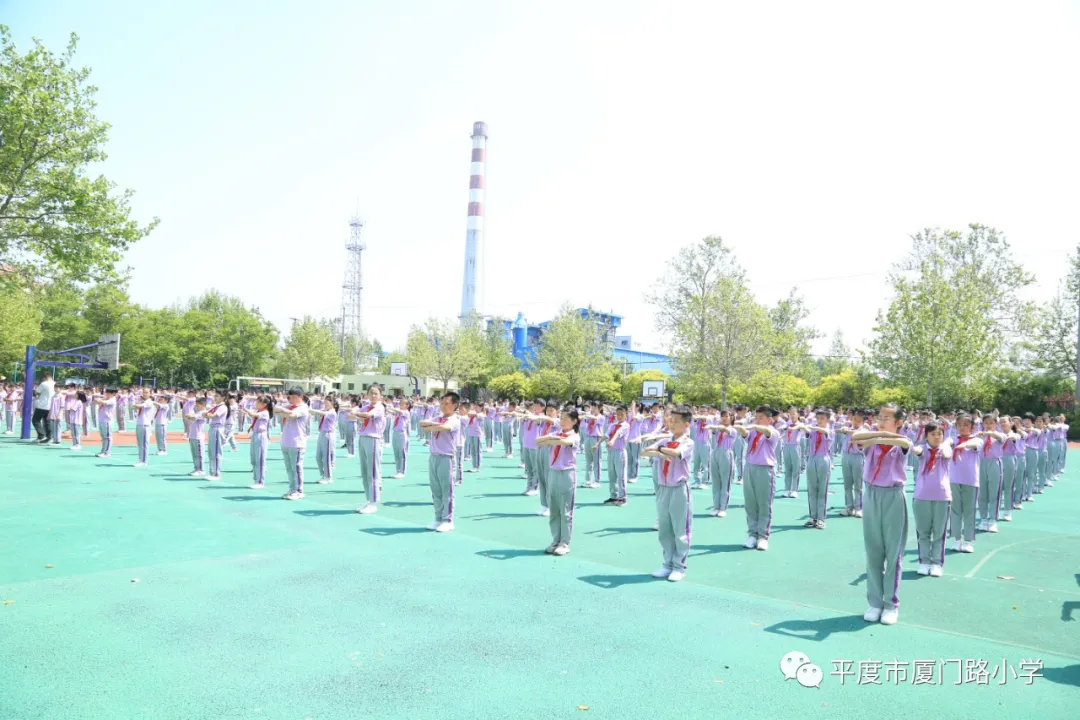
{"points": [[990, 474], [793, 460], [616, 456], [57, 411], [722, 463], [196, 436], [260, 438], [216, 414], [760, 476], [548, 424], [145, 411], [231, 418], [106, 408], [633, 443], [442, 457], [530, 428], [852, 461], [933, 495], [460, 434], [1041, 445], [507, 425], [294, 420], [1012, 466], [475, 435], [818, 467], [702, 438], [560, 451], [592, 439], [161, 421], [76, 417], [885, 525], [964, 483], [674, 505], [327, 443], [372, 418], [399, 437]]}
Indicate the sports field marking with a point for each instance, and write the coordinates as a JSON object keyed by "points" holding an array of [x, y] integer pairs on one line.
{"points": [[995, 551]]}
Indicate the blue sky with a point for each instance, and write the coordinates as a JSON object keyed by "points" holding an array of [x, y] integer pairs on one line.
{"points": [[814, 137]]}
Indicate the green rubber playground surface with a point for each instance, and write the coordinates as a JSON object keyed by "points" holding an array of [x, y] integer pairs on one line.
{"points": [[248, 606]]}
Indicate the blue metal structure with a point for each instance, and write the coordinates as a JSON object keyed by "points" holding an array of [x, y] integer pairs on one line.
{"points": [[52, 359]]}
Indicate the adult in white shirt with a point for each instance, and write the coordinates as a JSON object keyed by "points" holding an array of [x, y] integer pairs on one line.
{"points": [[43, 396]]}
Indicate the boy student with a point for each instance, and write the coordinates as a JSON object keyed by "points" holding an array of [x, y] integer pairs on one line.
{"points": [[143, 420], [294, 417], [760, 476], [193, 427], [722, 463], [818, 467], [372, 417], [990, 474], [702, 448], [616, 458], [740, 443], [106, 408], [852, 461], [506, 424], [530, 428], [674, 506], [793, 436], [885, 525], [593, 439], [475, 441], [443, 454]]}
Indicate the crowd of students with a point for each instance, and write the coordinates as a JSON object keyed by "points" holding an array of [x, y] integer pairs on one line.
{"points": [[969, 471]]}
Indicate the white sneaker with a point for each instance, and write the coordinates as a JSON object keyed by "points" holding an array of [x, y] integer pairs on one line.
{"points": [[295, 496], [161, 452], [956, 546], [1007, 517], [139, 464], [722, 513], [368, 509], [1049, 483], [257, 486], [399, 476], [632, 480], [924, 569], [656, 526], [794, 495], [872, 614], [325, 481], [676, 576], [714, 512], [562, 550], [444, 527], [858, 513], [543, 512], [981, 526], [935, 571], [213, 477], [661, 573], [751, 542], [762, 544], [594, 484], [889, 616], [76, 448], [967, 547], [100, 455], [992, 527], [531, 492], [847, 513], [350, 455], [434, 526]]}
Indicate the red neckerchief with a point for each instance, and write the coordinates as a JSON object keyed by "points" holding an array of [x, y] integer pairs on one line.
{"points": [[701, 426], [667, 461], [592, 424], [757, 439], [364, 421], [930, 463], [883, 450], [445, 419], [918, 436], [555, 455], [959, 441], [817, 442], [322, 423], [613, 432], [987, 444], [789, 434]]}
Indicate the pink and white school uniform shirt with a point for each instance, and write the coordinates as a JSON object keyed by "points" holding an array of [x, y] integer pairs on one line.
{"points": [[674, 471]]}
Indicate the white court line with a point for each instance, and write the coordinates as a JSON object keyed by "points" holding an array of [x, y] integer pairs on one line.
{"points": [[995, 551]]}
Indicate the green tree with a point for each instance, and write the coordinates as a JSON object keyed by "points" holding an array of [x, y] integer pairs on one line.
{"points": [[845, 389], [571, 346], [20, 323], [513, 386], [310, 351], [1055, 333], [775, 389], [791, 337], [601, 383], [54, 217], [884, 396], [498, 353], [549, 383], [446, 350], [62, 322], [945, 326], [717, 330], [838, 358]]}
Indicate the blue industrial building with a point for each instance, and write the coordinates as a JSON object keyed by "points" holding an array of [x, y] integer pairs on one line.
{"points": [[524, 338]]}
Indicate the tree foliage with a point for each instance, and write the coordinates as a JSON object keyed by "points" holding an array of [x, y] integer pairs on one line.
{"points": [[945, 327], [570, 345], [845, 389], [446, 350], [549, 383], [512, 386], [774, 389], [1056, 328], [55, 218], [791, 337], [20, 323], [310, 351]]}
